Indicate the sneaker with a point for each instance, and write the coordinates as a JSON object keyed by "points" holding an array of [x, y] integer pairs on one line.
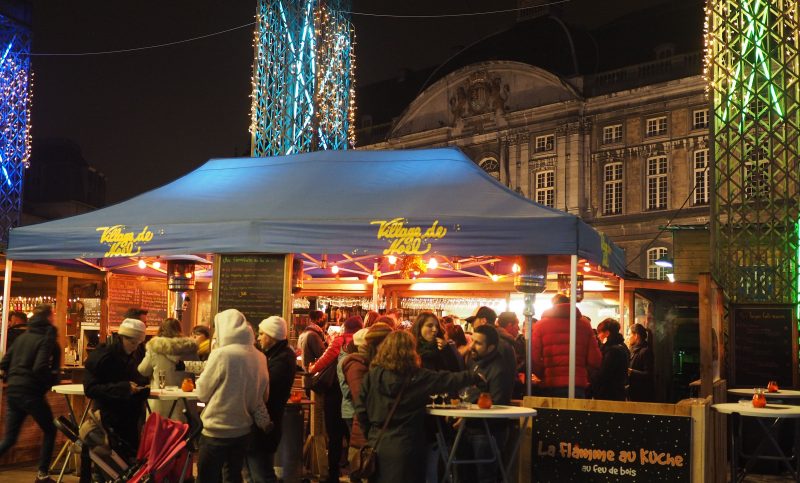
{"points": [[46, 479]]}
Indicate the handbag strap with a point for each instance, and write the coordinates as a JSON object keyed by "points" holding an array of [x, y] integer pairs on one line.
{"points": [[391, 412]]}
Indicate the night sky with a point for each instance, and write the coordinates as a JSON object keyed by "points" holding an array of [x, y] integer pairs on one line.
{"points": [[147, 117]]}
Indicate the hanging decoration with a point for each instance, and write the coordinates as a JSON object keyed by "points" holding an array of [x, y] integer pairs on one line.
{"points": [[412, 266]]}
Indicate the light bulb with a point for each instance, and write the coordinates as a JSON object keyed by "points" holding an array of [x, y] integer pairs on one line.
{"points": [[433, 263], [370, 278], [334, 269], [495, 277], [392, 259], [142, 264], [587, 268], [156, 264], [516, 268], [189, 274]]}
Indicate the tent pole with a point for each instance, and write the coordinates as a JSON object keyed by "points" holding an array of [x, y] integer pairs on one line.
{"points": [[528, 327], [573, 289], [6, 306], [375, 287], [622, 304]]}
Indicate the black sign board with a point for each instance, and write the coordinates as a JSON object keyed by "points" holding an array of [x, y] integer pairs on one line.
{"points": [[574, 445], [251, 284], [127, 292], [762, 339]]}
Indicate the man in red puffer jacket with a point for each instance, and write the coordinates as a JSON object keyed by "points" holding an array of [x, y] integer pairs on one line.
{"points": [[550, 351]]}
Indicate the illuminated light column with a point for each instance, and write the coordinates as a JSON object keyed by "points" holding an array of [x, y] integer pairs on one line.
{"points": [[15, 126], [752, 74], [303, 80]]}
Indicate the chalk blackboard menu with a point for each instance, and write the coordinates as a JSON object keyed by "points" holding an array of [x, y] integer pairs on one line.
{"points": [[126, 292], [252, 284], [91, 313], [575, 445], [763, 345]]}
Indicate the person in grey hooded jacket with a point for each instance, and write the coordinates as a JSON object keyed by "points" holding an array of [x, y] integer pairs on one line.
{"points": [[234, 385]]}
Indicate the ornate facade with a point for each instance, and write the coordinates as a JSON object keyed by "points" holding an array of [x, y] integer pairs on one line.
{"points": [[625, 149]]}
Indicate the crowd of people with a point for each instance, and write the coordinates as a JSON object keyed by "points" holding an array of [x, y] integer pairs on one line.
{"points": [[358, 373]]}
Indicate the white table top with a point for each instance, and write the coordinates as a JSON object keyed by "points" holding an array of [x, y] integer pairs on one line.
{"points": [[162, 394], [771, 411], [68, 389], [781, 394], [495, 412]]}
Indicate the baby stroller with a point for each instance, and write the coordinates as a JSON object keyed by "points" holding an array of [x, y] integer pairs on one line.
{"points": [[164, 453]]}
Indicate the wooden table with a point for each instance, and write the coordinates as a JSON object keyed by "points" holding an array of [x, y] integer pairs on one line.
{"points": [[774, 413], [496, 412]]}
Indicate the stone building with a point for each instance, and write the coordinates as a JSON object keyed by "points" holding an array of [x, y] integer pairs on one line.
{"points": [[609, 124]]}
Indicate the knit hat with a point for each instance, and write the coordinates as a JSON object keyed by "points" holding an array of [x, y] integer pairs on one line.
{"points": [[483, 312], [360, 337], [132, 328], [274, 327], [377, 333]]}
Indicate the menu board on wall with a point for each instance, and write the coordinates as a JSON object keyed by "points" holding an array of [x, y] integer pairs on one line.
{"points": [[251, 284], [126, 292], [91, 313], [762, 341], [576, 445]]}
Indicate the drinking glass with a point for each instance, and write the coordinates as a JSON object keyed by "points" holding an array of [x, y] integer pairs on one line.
{"points": [[433, 399], [445, 399], [464, 395], [162, 379]]}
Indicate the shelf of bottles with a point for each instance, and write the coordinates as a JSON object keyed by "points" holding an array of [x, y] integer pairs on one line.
{"points": [[27, 304]]}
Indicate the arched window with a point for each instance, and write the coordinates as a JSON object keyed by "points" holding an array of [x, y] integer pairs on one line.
{"points": [[654, 271], [491, 166]]}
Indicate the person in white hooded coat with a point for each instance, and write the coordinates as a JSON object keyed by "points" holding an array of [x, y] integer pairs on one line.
{"points": [[166, 352], [234, 385]]}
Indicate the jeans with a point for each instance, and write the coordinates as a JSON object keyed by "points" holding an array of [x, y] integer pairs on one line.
{"points": [[20, 406], [482, 449], [334, 426], [260, 466], [580, 392], [216, 453]]}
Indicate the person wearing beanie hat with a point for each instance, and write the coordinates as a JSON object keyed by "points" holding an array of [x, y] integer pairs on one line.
{"points": [[235, 386], [274, 327], [334, 424], [260, 455], [360, 337], [115, 386]]}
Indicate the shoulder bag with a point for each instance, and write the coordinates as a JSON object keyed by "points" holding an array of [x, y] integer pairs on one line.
{"points": [[366, 460]]}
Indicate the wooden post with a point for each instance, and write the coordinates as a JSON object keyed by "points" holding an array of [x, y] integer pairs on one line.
{"points": [[573, 322], [706, 340], [62, 299], [6, 308]]}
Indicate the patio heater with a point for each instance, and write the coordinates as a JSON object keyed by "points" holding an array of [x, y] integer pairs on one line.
{"points": [[181, 280], [531, 279]]}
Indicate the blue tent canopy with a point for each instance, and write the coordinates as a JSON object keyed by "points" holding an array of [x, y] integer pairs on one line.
{"points": [[428, 201]]}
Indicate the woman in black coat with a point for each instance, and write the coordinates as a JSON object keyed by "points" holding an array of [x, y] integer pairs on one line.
{"points": [[116, 388], [640, 373], [396, 367], [282, 364], [610, 381]]}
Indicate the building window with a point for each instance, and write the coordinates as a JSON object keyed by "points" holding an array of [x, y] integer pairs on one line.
{"points": [[700, 119], [612, 134], [701, 177], [545, 143], [756, 179], [654, 271], [612, 189], [657, 183], [656, 126], [491, 166], [546, 188]]}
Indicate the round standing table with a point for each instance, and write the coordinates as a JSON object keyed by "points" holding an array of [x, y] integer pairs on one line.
{"points": [[495, 412], [776, 413], [68, 390]]}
